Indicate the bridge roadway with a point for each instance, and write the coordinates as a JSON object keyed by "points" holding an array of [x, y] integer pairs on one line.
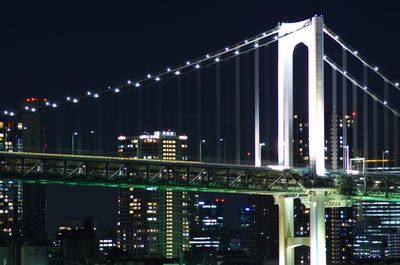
{"points": [[123, 172]]}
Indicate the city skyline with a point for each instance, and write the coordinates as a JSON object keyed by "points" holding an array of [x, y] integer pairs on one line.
{"points": [[92, 69]]}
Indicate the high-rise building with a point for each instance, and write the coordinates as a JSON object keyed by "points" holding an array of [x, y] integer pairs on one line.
{"points": [[262, 229], [213, 235], [79, 244], [193, 213], [333, 135], [10, 191], [11, 135], [67, 228], [376, 234], [340, 224], [211, 214], [152, 221], [245, 213], [34, 195], [164, 145], [245, 217]]}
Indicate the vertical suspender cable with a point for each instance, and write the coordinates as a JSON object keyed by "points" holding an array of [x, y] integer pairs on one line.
{"points": [[99, 131], [218, 111], [237, 108], [179, 103], [356, 153], [375, 128], [344, 99], [139, 112], [334, 138], [199, 110], [160, 107], [119, 111], [257, 146], [395, 140], [59, 139], [386, 116], [365, 113], [80, 131]]}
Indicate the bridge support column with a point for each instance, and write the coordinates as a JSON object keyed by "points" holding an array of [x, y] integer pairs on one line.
{"points": [[309, 32], [286, 229], [317, 228]]}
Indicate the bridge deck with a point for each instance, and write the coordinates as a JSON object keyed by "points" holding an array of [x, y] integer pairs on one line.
{"points": [[44, 168]]}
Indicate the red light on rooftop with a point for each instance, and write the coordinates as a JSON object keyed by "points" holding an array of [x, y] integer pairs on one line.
{"points": [[33, 99]]}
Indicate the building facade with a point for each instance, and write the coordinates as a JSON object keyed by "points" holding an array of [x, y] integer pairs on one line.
{"points": [[164, 145], [262, 232], [11, 192], [376, 234], [334, 143], [151, 221], [34, 196], [211, 213]]}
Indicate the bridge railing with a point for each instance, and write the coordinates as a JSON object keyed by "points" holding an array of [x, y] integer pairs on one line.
{"points": [[167, 174], [189, 175]]}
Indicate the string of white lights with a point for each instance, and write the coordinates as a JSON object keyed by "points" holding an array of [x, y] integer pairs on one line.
{"points": [[358, 84], [191, 65], [356, 54], [209, 59]]}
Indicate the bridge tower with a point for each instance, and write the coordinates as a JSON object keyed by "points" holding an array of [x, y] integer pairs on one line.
{"points": [[309, 32]]}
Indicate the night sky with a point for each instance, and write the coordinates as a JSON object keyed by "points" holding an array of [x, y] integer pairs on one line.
{"points": [[57, 49]]}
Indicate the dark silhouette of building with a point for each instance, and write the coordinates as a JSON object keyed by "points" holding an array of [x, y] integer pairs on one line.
{"points": [[80, 245], [262, 229], [34, 196], [245, 213]]}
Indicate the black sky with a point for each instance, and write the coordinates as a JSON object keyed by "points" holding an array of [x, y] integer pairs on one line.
{"points": [[58, 48]]}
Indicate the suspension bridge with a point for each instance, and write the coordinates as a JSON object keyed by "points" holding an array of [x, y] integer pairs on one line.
{"points": [[230, 98]]}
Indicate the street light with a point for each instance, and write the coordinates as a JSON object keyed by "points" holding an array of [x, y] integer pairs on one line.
{"points": [[223, 146], [200, 149], [261, 146], [92, 132], [73, 141], [383, 158]]}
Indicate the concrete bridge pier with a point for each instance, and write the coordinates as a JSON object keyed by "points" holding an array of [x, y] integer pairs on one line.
{"points": [[288, 242], [286, 229], [317, 228]]}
